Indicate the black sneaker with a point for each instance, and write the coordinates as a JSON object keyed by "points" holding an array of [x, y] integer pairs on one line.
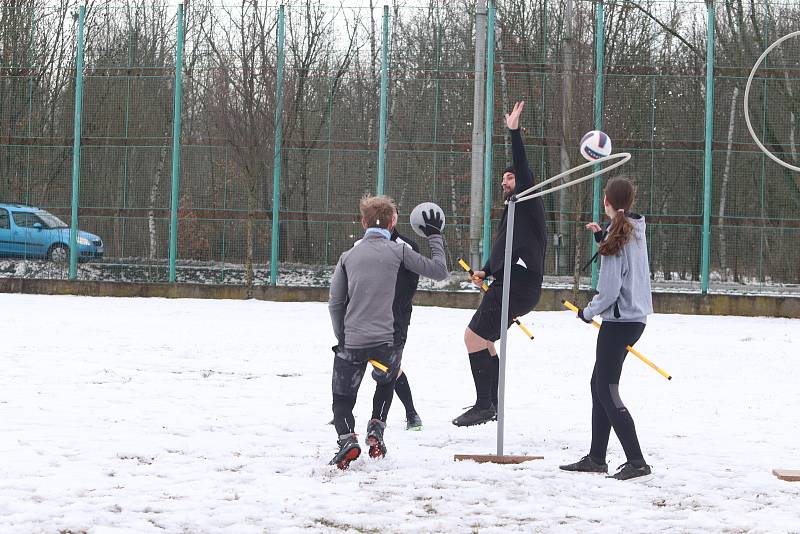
{"points": [[349, 450], [628, 471], [476, 416], [413, 421], [585, 465], [377, 448]]}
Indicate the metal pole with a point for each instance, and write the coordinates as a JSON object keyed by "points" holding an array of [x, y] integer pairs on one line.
{"points": [[384, 93], [176, 147], [600, 50], [501, 378], [567, 135], [478, 134], [487, 158], [707, 156], [76, 148], [276, 160]]}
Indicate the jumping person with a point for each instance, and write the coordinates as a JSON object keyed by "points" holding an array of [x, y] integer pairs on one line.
{"points": [[624, 301], [362, 298], [527, 268]]}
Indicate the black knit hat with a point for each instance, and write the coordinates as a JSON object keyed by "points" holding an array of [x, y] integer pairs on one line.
{"points": [[510, 169]]}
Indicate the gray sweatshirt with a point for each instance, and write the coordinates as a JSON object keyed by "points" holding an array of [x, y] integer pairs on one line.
{"points": [[623, 288], [364, 284]]}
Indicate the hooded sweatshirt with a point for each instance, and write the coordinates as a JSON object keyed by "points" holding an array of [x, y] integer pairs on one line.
{"points": [[623, 287]]}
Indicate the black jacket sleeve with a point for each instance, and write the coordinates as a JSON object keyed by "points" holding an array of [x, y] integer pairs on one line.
{"points": [[599, 236], [522, 171]]}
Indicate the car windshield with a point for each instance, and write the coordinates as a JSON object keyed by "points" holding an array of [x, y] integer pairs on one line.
{"points": [[50, 220]]}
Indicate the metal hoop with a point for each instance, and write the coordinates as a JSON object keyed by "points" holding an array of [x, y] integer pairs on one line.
{"points": [[624, 157], [747, 103]]}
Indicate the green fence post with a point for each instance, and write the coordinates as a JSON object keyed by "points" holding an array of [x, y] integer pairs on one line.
{"points": [[706, 246], [276, 159], [600, 53], [487, 147], [384, 112], [76, 148], [176, 147]]}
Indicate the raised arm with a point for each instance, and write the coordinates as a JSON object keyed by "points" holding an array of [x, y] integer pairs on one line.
{"points": [[434, 267], [522, 171]]}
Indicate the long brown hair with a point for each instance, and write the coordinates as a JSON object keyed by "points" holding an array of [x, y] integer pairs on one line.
{"points": [[620, 193]]}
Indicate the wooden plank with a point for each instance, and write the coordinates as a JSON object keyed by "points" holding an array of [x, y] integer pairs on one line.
{"points": [[790, 475], [495, 459]]}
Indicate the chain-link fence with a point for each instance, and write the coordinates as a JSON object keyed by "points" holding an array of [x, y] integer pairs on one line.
{"points": [[359, 98]]}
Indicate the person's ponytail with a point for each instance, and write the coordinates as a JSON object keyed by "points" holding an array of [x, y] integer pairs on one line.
{"points": [[620, 193], [619, 233]]}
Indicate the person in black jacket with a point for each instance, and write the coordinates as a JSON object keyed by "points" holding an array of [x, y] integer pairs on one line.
{"points": [[527, 257], [406, 286]]}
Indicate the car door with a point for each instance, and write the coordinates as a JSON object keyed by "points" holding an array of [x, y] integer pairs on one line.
{"points": [[33, 238], [8, 245]]}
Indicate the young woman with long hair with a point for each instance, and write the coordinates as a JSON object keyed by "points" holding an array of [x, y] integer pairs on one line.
{"points": [[624, 301]]}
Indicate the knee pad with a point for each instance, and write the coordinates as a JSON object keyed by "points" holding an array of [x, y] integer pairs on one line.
{"points": [[390, 359]]}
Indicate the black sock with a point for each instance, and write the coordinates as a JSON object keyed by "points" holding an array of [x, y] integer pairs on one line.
{"points": [[495, 366], [403, 391], [482, 375]]}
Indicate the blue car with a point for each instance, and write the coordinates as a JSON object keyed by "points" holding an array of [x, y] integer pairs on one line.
{"points": [[29, 232]]}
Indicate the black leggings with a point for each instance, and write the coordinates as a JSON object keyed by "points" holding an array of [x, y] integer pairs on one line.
{"points": [[608, 411]]}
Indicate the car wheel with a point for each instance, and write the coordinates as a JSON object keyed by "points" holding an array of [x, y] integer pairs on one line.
{"points": [[58, 253]]}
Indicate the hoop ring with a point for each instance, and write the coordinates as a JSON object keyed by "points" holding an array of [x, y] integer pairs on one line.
{"points": [[747, 104], [528, 194]]}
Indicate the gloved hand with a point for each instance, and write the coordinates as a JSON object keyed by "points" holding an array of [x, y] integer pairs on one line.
{"points": [[433, 223], [582, 318]]}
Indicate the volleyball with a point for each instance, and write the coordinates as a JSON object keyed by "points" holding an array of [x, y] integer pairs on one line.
{"points": [[595, 145], [416, 216]]}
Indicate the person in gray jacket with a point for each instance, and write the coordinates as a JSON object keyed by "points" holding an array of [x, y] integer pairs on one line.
{"points": [[362, 295], [624, 301]]}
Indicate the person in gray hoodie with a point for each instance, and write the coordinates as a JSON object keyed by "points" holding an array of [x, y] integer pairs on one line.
{"points": [[363, 291], [624, 301]]}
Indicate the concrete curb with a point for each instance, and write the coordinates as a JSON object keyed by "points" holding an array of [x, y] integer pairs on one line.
{"points": [[686, 303]]}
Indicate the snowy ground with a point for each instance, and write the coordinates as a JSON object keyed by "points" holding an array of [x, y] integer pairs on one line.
{"points": [[153, 415]]}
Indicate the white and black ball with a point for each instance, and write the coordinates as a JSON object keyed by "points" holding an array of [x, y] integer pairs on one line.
{"points": [[416, 216], [595, 145]]}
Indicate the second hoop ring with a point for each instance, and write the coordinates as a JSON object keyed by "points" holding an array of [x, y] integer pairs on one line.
{"points": [[764, 149]]}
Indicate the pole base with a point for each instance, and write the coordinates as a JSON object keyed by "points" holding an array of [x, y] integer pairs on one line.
{"points": [[790, 475], [495, 459]]}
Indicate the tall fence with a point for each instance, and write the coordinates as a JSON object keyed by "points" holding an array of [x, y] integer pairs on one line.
{"points": [[230, 143]]}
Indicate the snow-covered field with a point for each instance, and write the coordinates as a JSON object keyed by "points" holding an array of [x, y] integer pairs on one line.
{"points": [[152, 415]]}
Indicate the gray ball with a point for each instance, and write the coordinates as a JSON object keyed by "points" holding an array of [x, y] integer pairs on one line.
{"points": [[416, 216]]}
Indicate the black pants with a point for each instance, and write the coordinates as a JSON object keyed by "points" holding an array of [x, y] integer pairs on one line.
{"points": [[608, 411], [349, 367]]}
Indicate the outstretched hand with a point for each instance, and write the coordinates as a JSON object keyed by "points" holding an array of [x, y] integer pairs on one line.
{"points": [[433, 223], [512, 119], [594, 227]]}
